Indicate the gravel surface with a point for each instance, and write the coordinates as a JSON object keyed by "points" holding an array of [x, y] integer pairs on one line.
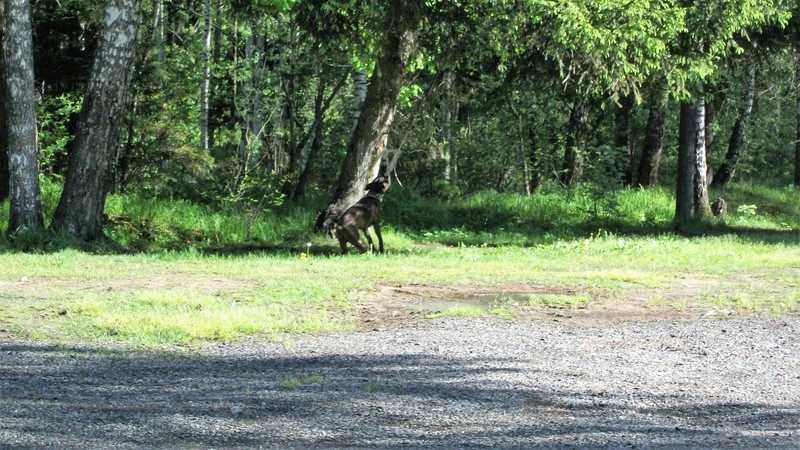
{"points": [[449, 383]]}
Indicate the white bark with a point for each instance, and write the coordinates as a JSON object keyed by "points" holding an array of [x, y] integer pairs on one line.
{"points": [[205, 83], [80, 209], [702, 207], [359, 95], [25, 199]]}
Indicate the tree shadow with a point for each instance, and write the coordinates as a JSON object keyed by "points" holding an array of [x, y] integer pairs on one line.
{"points": [[71, 397]]}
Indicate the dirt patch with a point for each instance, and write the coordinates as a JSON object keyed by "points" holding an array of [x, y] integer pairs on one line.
{"points": [[393, 305]]}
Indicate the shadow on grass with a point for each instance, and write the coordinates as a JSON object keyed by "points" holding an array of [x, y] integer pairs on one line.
{"points": [[66, 397]]}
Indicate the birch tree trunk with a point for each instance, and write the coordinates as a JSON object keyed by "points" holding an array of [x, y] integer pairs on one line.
{"points": [[3, 119], [158, 29], [797, 119], [252, 114], [25, 211], [687, 140], [622, 131], [205, 82], [736, 143], [80, 209], [368, 142], [449, 114], [359, 95], [702, 206], [653, 144], [692, 203]]}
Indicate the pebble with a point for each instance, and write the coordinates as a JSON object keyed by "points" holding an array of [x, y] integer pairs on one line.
{"points": [[710, 382]]}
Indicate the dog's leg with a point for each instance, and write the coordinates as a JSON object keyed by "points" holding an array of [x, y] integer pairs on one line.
{"points": [[353, 236], [377, 227], [369, 238]]}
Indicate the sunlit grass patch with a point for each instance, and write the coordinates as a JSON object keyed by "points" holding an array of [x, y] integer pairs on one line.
{"points": [[749, 302], [151, 318], [300, 381]]}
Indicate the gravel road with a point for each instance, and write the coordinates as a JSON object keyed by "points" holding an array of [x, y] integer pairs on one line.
{"points": [[448, 383]]}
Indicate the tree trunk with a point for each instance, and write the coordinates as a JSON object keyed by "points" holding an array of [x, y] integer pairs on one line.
{"points": [[205, 82], [449, 114], [252, 116], [359, 95], [702, 206], [797, 119], [575, 146], [713, 105], [3, 119], [308, 158], [158, 29], [535, 181], [315, 146], [25, 211], [692, 202], [647, 173], [622, 131], [687, 141], [368, 142], [80, 209], [736, 143]]}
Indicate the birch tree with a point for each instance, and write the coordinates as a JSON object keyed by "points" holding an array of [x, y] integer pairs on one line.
{"points": [[25, 211], [80, 209], [3, 120], [205, 82], [712, 29], [367, 145]]}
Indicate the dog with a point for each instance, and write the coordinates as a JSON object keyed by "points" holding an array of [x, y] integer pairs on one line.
{"points": [[363, 214]]}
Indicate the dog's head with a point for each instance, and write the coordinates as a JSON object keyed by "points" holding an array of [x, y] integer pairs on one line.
{"points": [[379, 185]]}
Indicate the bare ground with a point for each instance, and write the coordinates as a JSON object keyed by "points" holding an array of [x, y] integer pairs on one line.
{"points": [[610, 373]]}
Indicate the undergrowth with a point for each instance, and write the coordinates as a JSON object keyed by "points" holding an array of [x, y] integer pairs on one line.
{"points": [[175, 273], [135, 224]]}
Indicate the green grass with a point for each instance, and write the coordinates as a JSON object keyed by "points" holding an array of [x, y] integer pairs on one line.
{"points": [[298, 382], [177, 274]]}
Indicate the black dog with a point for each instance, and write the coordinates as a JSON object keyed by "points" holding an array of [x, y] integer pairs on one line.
{"points": [[364, 214]]}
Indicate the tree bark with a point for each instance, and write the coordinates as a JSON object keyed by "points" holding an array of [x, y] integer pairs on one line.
{"points": [[307, 158], [797, 119], [622, 131], [205, 82], [736, 143], [25, 211], [653, 144], [3, 119], [687, 141], [702, 206], [692, 204], [368, 142], [448, 107], [252, 115], [359, 95], [80, 209]]}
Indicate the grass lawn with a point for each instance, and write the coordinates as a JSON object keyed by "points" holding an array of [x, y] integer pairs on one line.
{"points": [[148, 290]]}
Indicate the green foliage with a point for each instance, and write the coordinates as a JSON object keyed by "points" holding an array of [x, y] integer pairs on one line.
{"points": [[605, 45], [54, 115]]}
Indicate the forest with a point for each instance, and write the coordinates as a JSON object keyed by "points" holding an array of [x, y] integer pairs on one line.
{"points": [[251, 107]]}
